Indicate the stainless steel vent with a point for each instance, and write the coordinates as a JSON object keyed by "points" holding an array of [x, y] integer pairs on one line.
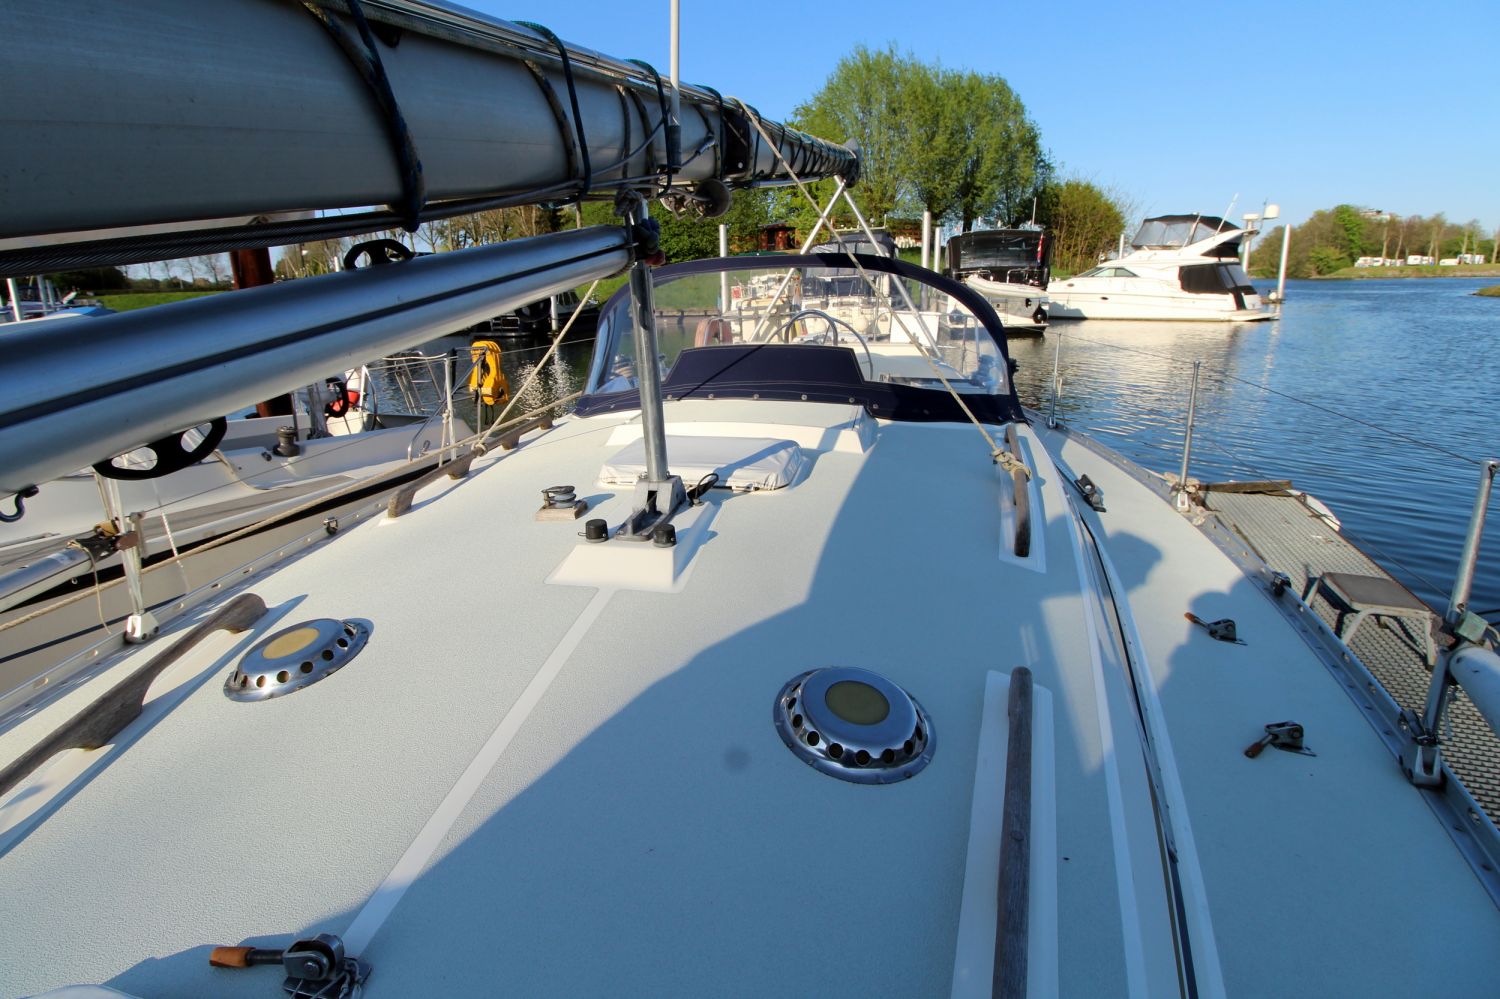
{"points": [[854, 724], [295, 658]]}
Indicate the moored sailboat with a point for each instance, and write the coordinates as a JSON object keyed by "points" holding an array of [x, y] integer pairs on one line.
{"points": [[821, 667]]}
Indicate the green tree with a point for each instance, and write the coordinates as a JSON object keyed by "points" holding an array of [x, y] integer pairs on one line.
{"points": [[864, 102], [1085, 222], [1001, 164], [1327, 259], [95, 279], [956, 143], [1352, 224]]}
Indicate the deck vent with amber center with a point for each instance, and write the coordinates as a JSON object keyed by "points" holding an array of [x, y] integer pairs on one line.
{"points": [[295, 658], [854, 724]]}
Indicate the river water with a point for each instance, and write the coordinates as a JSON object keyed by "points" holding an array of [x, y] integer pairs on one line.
{"points": [[1378, 397]]}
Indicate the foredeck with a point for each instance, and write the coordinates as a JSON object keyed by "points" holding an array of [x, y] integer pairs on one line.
{"points": [[537, 788], [532, 787]]}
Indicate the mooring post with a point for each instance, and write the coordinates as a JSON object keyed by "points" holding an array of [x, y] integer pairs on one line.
{"points": [[1286, 243], [1183, 502], [1056, 381], [723, 274]]}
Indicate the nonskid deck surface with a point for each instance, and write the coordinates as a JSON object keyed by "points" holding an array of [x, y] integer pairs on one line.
{"points": [[1293, 539], [563, 789], [580, 791], [1308, 861]]}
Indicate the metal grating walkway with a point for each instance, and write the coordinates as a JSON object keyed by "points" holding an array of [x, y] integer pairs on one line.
{"points": [[1294, 539]]}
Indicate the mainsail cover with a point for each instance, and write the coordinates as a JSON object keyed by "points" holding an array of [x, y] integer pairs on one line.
{"points": [[238, 123]]}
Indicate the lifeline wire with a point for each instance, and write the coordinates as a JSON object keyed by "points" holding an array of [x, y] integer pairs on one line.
{"points": [[1223, 376], [1215, 446], [556, 341], [354, 440]]}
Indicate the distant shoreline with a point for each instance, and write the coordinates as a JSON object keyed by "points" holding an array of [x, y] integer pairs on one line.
{"points": [[1424, 271]]}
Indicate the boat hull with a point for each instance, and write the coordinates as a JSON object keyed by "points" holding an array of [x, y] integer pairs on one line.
{"points": [[1113, 305], [1023, 308]]}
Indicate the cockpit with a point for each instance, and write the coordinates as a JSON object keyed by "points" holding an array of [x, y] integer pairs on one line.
{"points": [[849, 328]]}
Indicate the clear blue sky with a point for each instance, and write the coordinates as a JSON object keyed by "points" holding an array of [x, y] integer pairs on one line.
{"points": [[1178, 105]]}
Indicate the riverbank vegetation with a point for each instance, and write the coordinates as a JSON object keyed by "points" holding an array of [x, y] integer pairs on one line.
{"points": [[141, 300], [1493, 291], [1330, 242], [1433, 271], [955, 143]]}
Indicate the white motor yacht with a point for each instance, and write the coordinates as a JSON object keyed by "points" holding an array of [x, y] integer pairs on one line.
{"points": [[1011, 269], [800, 659], [1179, 267]]}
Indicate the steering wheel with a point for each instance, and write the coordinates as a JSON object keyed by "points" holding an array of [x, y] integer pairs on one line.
{"points": [[833, 328]]}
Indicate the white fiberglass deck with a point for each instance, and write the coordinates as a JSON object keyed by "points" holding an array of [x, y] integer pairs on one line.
{"points": [[558, 789]]}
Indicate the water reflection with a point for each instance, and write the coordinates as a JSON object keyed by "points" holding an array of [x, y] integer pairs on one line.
{"points": [[1416, 358]]}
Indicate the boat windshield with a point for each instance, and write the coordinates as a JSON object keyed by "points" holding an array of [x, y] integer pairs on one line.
{"points": [[1168, 231], [812, 328], [995, 250]]}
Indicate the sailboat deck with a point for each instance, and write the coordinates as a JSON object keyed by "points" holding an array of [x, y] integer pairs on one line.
{"points": [[578, 790], [1287, 842]]}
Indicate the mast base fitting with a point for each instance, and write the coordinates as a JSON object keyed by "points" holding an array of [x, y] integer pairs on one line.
{"points": [[655, 504]]}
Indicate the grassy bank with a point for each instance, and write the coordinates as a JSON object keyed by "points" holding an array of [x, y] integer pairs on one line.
{"points": [[1426, 271], [1493, 291], [145, 299]]}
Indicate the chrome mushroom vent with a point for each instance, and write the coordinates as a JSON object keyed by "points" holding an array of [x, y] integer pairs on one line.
{"points": [[854, 724], [296, 657]]}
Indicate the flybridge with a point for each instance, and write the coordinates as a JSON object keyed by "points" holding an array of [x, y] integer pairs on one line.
{"points": [[1171, 231], [233, 131]]}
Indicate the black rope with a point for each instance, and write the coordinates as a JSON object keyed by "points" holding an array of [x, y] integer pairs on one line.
{"points": [[570, 141], [651, 133], [719, 145], [567, 65], [625, 121], [365, 57], [661, 100]]}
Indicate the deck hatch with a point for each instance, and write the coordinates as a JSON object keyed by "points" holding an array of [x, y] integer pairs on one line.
{"points": [[853, 724], [296, 657]]}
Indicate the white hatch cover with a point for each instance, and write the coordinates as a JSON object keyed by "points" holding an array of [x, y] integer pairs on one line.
{"points": [[742, 463]]}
